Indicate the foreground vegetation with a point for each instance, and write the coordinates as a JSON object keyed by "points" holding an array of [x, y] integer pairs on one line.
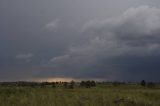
{"points": [[100, 95]]}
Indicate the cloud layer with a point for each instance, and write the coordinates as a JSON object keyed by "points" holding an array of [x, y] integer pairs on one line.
{"points": [[81, 39], [53, 25], [24, 56], [133, 34]]}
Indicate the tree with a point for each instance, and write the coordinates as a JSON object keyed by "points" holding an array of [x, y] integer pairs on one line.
{"points": [[82, 84], [88, 84], [93, 83], [143, 83], [72, 83], [53, 85]]}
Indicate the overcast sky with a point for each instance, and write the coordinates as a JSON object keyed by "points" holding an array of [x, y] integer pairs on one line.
{"points": [[80, 39]]}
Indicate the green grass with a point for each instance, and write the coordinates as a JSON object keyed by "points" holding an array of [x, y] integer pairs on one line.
{"points": [[98, 96]]}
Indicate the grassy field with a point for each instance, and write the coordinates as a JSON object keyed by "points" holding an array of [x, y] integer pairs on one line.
{"points": [[97, 96]]}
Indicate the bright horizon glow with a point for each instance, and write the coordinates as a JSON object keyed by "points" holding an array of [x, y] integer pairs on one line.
{"points": [[63, 79], [56, 79]]}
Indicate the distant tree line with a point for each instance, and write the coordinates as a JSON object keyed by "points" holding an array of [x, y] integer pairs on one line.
{"points": [[88, 84], [73, 84], [149, 84]]}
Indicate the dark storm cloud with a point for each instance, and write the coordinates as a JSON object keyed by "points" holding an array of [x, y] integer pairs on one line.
{"points": [[134, 34], [82, 39]]}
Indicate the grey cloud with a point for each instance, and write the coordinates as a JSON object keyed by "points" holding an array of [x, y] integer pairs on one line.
{"points": [[134, 33], [53, 25], [24, 56], [54, 30]]}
